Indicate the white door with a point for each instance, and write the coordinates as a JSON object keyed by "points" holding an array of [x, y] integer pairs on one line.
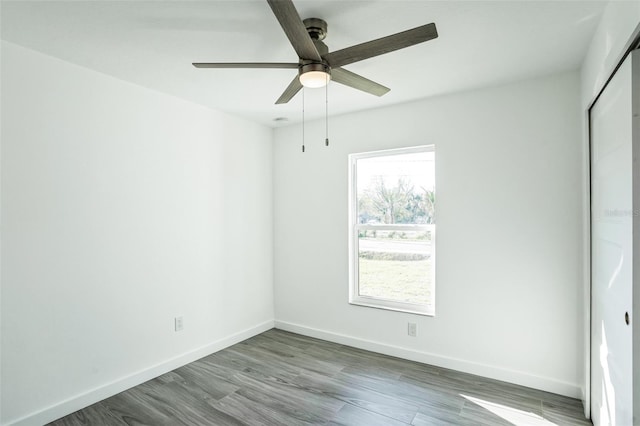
{"points": [[612, 262]]}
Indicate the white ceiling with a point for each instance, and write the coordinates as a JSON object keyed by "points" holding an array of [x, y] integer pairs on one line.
{"points": [[153, 43]]}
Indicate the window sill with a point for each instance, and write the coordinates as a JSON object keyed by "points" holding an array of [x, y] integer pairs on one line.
{"points": [[389, 305]]}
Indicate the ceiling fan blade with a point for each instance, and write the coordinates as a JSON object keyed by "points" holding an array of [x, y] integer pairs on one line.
{"points": [[382, 45], [291, 90], [245, 65], [348, 78], [295, 30]]}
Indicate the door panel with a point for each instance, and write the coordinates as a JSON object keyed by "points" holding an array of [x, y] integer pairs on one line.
{"points": [[612, 252]]}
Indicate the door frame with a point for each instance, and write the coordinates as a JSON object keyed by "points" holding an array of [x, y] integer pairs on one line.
{"points": [[632, 44]]}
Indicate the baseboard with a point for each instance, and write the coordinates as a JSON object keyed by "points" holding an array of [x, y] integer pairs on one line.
{"points": [[85, 399], [493, 372]]}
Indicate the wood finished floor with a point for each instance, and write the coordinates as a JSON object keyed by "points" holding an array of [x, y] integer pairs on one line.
{"points": [[281, 378]]}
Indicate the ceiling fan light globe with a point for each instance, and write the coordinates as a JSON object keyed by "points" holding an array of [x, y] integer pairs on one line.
{"points": [[314, 79]]}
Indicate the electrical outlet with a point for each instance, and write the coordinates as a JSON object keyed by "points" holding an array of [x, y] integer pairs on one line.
{"points": [[179, 323], [412, 329]]}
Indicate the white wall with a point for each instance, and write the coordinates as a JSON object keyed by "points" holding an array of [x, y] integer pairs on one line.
{"points": [[508, 176], [618, 26], [121, 209]]}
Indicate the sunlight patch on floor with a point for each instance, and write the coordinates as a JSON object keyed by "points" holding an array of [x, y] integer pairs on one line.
{"points": [[510, 414]]}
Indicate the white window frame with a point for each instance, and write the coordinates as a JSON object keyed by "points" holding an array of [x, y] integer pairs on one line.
{"points": [[354, 227]]}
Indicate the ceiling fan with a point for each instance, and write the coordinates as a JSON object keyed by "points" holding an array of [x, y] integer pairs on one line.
{"points": [[316, 65]]}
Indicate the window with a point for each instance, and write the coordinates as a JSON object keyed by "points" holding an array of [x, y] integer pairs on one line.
{"points": [[392, 229]]}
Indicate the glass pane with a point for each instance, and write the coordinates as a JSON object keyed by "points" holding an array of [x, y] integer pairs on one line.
{"points": [[396, 189], [395, 265]]}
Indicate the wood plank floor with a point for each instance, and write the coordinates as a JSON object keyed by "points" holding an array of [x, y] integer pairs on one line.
{"points": [[281, 378]]}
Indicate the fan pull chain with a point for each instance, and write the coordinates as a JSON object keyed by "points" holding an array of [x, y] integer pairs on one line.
{"points": [[326, 110], [303, 119]]}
